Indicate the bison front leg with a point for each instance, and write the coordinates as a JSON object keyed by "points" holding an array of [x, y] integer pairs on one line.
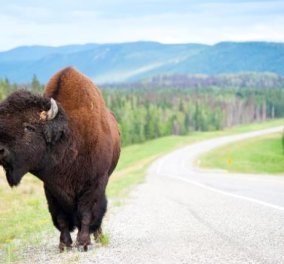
{"points": [[65, 237], [92, 207], [60, 220], [83, 237]]}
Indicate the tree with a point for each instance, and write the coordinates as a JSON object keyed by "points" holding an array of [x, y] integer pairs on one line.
{"points": [[36, 87]]}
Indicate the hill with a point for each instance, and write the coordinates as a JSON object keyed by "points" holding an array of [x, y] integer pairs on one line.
{"points": [[139, 60]]}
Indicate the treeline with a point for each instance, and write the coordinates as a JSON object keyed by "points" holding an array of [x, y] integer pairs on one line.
{"points": [[6, 87], [180, 103], [223, 81], [145, 115], [147, 111]]}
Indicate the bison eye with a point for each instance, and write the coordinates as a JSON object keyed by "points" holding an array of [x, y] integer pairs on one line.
{"points": [[29, 128]]}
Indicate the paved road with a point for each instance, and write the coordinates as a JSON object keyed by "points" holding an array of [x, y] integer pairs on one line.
{"points": [[182, 164], [182, 214]]}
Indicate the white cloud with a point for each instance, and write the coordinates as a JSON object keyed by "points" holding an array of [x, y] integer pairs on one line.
{"points": [[65, 22]]}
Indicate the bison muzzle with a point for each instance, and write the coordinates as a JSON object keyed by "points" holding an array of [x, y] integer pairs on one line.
{"points": [[69, 140]]}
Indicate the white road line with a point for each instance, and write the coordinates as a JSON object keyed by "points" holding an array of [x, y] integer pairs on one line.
{"points": [[225, 193]]}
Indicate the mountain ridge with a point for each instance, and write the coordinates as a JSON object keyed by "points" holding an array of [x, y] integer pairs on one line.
{"points": [[130, 61]]}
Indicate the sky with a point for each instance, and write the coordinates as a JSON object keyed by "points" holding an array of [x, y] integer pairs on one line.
{"points": [[63, 22]]}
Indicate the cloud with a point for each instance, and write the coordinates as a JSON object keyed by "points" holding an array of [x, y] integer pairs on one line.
{"points": [[174, 21]]}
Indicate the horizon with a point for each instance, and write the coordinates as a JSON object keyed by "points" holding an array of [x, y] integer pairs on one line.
{"points": [[208, 22]]}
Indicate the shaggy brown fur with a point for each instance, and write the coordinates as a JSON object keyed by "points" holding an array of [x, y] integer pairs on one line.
{"points": [[74, 154], [86, 111]]}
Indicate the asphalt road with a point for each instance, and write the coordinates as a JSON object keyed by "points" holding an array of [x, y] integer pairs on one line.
{"points": [[183, 165], [182, 214]]}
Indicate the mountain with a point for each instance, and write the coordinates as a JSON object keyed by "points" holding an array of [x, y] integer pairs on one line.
{"points": [[140, 60]]}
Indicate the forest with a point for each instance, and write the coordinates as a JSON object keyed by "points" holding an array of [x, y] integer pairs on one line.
{"points": [[180, 104]]}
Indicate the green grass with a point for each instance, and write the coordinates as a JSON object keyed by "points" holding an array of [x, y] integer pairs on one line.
{"points": [[104, 240], [258, 155], [23, 210]]}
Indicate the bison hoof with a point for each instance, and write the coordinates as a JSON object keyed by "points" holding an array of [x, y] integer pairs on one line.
{"points": [[63, 247], [83, 243], [83, 248]]}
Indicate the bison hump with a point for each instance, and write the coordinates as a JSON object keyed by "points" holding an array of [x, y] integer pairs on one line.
{"points": [[78, 95]]}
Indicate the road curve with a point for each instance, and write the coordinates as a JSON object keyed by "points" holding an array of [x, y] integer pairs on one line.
{"points": [[181, 164], [182, 214]]}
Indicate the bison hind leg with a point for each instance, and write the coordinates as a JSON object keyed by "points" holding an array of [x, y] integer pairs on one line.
{"points": [[98, 234], [98, 214]]}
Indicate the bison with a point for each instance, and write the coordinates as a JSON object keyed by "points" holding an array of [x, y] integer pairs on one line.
{"points": [[69, 140]]}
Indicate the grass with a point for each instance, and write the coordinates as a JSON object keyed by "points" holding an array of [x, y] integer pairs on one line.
{"points": [[23, 211], [104, 240], [258, 155]]}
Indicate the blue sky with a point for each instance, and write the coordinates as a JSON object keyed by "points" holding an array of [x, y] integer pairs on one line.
{"points": [[61, 22]]}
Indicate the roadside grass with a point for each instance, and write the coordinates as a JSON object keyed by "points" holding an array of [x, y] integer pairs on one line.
{"points": [[258, 155], [24, 216], [23, 211], [104, 240]]}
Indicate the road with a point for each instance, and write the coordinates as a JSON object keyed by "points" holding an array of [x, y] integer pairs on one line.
{"points": [[183, 214], [182, 164]]}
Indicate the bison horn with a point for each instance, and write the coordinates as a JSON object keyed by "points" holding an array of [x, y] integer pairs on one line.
{"points": [[52, 112]]}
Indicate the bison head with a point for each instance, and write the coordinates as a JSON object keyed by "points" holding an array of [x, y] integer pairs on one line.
{"points": [[30, 128]]}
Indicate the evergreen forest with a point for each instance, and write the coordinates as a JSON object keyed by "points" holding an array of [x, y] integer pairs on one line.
{"points": [[180, 104]]}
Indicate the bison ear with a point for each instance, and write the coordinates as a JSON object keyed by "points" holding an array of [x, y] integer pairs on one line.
{"points": [[54, 131]]}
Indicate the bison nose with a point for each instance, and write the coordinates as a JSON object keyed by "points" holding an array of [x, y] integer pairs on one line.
{"points": [[3, 152]]}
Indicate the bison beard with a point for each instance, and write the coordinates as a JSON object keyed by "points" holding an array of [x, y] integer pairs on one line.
{"points": [[70, 142]]}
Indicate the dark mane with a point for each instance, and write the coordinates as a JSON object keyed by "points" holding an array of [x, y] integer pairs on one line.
{"points": [[21, 100]]}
